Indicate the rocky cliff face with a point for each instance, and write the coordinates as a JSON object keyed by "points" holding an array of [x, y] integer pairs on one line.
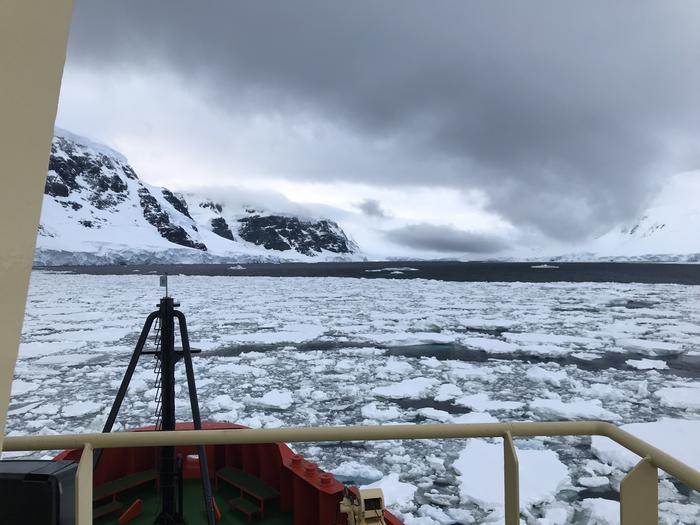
{"points": [[276, 232], [97, 210]]}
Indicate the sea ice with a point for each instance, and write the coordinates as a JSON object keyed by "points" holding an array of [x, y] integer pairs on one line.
{"points": [[480, 469], [437, 515], [459, 370], [482, 402], [396, 493], [683, 397], [407, 389], [488, 344], [447, 391], [593, 481], [64, 359], [43, 348], [577, 408], [395, 367], [23, 410], [678, 437], [47, 409], [475, 417], [20, 387], [585, 356], [542, 375], [281, 399], [557, 339], [81, 408], [647, 364], [435, 415], [650, 346], [371, 411], [222, 402], [601, 511], [346, 347], [358, 472], [671, 512]]}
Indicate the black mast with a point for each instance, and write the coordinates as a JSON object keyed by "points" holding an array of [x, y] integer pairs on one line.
{"points": [[168, 514], [168, 356]]}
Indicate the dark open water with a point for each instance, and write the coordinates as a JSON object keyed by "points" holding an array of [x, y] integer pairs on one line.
{"points": [[439, 270]]}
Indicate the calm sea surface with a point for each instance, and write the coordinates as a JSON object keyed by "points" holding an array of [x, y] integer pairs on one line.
{"points": [[439, 270]]}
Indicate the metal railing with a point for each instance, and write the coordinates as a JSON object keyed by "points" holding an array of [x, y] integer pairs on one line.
{"points": [[638, 490]]}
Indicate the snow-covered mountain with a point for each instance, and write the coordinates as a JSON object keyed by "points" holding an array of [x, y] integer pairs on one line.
{"points": [[96, 210], [666, 232]]}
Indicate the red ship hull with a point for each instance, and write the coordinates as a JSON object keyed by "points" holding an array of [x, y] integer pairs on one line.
{"points": [[310, 495]]}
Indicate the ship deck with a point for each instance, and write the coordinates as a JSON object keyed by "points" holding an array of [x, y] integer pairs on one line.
{"points": [[193, 507]]}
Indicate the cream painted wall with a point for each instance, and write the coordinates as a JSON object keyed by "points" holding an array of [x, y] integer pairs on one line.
{"points": [[33, 38]]}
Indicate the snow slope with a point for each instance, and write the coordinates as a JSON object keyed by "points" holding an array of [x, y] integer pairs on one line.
{"points": [[96, 210], [666, 231]]}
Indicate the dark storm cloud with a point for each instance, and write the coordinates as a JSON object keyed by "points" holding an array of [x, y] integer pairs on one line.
{"points": [[445, 239], [371, 208], [562, 112]]}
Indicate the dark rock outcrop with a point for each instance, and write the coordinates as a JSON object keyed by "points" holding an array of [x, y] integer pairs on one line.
{"points": [[211, 205], [107, 189], [178, 203], [155, 215], [220, 227], [277, 232]]}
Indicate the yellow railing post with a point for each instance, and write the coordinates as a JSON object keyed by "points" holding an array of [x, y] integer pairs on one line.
{"points": [[511, 480], [83, 488], [639, 495]]}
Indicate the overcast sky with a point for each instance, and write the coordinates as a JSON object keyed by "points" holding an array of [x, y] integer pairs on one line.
{"points": [[443, 127]]}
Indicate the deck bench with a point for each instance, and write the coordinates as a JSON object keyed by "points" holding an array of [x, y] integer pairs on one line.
{"points": [[245, 506], [248, 484], [114, 487]]}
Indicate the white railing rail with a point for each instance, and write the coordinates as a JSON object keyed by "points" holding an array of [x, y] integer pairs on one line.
{"points": [[638, 490]]}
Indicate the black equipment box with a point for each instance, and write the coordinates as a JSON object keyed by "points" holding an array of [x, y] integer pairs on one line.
{"points": [[37, 492]]}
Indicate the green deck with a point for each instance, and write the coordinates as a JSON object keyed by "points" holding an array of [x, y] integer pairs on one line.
{"points": [[194, 507]]}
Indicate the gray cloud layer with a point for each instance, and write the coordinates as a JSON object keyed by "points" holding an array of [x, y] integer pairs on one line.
{"points": [[446, 239], [563, 113]]}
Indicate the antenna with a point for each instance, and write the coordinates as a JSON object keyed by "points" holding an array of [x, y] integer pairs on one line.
{"points": [[164, 282]]}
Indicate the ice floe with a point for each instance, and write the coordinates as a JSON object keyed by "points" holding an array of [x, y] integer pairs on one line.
{"points": [[64, 359], [482, 402], [577, 408], [650, 346], [357, 472], [407, 389], [480, 469], [447, 391], [20, 387], [396, 493], [81, 408], [680, 397], [601, 511], [542, 375], [280, 399], [647, 364], [677, 437], [371, 411]]}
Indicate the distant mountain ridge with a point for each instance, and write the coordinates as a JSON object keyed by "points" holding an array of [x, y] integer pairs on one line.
{"points": [[97, 210]]}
